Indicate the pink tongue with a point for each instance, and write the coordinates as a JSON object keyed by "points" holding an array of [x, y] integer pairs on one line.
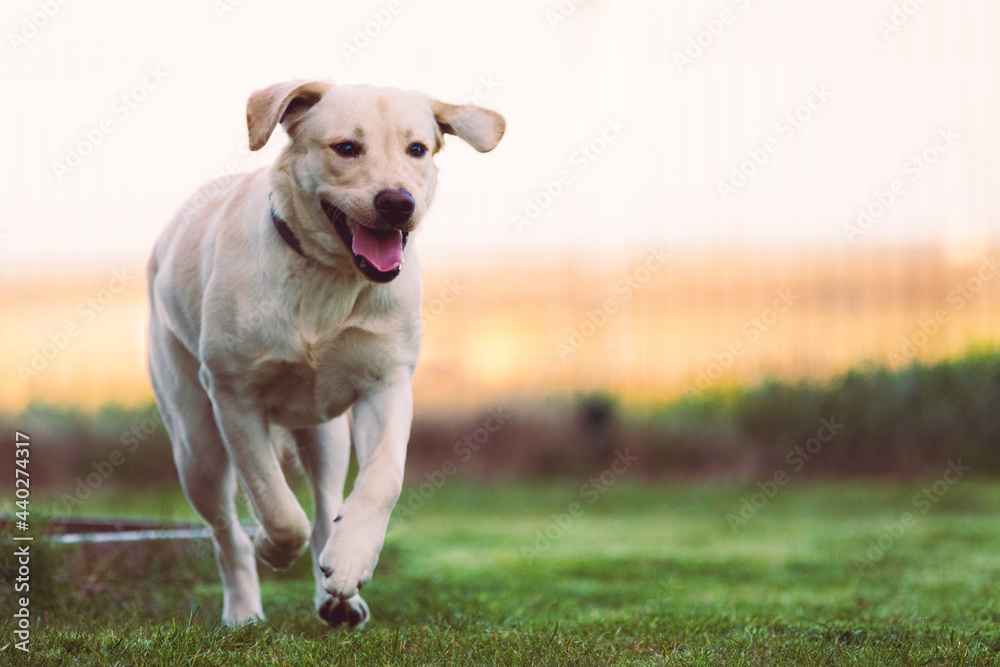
{"points": [[382, 249]]}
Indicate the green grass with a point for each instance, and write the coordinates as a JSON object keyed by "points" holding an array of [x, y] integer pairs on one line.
{"points": [[645, 575]]}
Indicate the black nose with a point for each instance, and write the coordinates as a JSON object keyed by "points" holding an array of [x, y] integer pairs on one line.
{"points": [[394, 207]]}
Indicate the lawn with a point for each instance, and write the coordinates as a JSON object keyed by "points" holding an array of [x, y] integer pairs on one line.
{"points": [[822, 573]]}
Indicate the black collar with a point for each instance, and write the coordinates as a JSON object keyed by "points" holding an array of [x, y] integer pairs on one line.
{"points": [[286, 233]]}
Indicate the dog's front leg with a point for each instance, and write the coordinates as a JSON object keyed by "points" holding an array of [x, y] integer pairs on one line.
{"points": [[285, 527], [381, 430]]}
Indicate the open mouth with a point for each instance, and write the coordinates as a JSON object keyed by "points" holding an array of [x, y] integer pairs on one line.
{"points": [[378, 253]]}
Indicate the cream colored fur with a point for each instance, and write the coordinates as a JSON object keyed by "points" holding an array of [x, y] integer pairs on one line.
{"points": [[252, 344]]}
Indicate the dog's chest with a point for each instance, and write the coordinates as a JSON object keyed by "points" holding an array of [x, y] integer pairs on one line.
{"points": [[312, 361], [316, 382]]}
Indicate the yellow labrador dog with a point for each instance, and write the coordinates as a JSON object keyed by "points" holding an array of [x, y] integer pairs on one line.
{"points": [[282, 300]]}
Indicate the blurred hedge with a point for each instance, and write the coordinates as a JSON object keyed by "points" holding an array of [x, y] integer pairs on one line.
{"points": [[893, 421], [909, 421]]}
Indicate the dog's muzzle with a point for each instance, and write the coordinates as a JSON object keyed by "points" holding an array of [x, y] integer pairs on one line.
{"points": [[378, 253]]}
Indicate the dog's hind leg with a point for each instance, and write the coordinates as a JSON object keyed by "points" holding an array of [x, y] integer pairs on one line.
{"points": [[209, 480], [325, 453], [206, 473]]}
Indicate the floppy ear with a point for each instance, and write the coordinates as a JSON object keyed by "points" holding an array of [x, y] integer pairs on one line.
{"points": [[480, 128], [281, 103]]}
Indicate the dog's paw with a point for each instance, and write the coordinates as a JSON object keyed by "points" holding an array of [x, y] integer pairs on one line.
{"points": [[348, 564], [238, 620], [279, 556], [344, 578], [352, 612]]}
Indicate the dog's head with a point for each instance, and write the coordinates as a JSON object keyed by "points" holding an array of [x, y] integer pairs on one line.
{"points": [[360, 161]]}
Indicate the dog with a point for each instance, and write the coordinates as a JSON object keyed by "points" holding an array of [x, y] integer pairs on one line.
{"points": [[284, 301]]}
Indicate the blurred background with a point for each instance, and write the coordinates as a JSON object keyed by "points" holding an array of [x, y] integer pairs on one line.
{"points": [[708, 227]]}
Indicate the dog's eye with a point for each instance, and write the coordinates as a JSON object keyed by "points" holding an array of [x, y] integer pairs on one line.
{"points": [[347, 149], [417, 149]]}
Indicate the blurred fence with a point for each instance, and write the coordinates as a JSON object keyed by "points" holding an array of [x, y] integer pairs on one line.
{"points": [[646, 327]]}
